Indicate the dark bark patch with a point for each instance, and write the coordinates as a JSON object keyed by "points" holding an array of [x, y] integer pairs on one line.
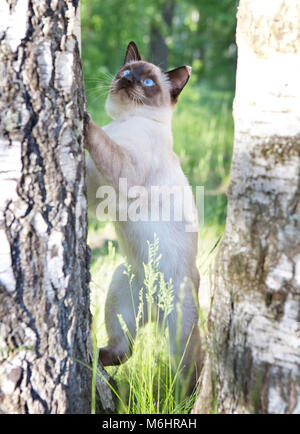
{"points": [[278, 149], [275, 302]]}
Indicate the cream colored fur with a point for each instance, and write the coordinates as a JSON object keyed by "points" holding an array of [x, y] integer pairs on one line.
{"points": [[138, 145]]}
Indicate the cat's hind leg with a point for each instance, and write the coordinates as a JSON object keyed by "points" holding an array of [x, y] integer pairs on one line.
{"points": [[120, 308]]}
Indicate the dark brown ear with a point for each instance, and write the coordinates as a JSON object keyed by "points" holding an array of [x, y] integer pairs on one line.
{"points": [[178, 79], [132, 53]]}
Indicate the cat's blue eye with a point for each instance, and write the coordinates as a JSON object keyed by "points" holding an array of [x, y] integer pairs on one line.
{"points": [[125, 73], [148, 82]]}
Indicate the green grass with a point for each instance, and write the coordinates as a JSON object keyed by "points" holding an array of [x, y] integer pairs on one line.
{"points": [[147, 383], [203, 137]]}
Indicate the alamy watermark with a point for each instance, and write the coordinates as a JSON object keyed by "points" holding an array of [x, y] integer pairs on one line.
{"points": [[157, 203]]}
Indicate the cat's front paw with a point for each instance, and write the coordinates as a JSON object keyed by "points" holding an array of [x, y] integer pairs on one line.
{"points": [[87, 118]]}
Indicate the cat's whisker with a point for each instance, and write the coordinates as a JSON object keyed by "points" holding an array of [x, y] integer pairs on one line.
{"points": [[97, 91], [138, 97], [108, 75], [98, 87], [95, 78], [100, 83], [103, 82], [113, 88], [97, 97]]}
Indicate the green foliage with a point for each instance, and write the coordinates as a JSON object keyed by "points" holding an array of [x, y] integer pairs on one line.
{"points": [[108, 26], [202, 35], [203, 137]]}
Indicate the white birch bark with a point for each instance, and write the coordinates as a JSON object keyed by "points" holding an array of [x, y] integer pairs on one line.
{"points": [[44, 259], [254, 359]]}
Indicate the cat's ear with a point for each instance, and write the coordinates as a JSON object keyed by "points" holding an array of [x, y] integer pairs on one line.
{"points": [[132, 53], [178, 78]]}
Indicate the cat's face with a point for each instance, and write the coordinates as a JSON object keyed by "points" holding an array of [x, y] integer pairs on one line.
{"points": [[140, 83]]}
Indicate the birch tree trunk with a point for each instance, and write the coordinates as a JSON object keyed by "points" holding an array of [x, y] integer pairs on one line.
{"points": [[44, 260], [254, 359], [158, 45]]}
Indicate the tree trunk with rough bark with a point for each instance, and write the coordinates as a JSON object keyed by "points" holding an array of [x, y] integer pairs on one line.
{"points": [[158, 45], [254, 360], [44, 259]]}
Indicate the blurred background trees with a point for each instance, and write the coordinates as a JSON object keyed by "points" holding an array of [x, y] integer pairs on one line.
{"points": [[170, 33], [200, 33]]}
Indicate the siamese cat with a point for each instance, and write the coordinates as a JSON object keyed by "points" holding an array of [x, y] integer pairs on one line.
{"points": [[137, 146]]}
